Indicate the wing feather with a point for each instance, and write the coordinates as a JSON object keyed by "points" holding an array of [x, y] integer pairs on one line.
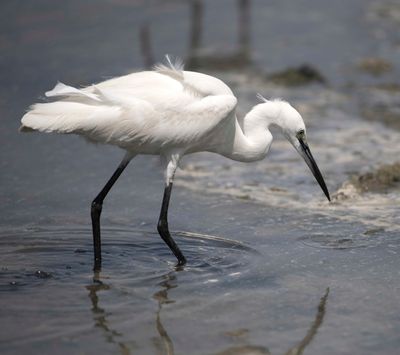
{"points": [[167, 107]]}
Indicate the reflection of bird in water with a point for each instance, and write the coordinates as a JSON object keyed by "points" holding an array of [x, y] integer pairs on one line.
{"points": [[299, 348], [164, 344], [245, 350], [168, 112], [99, 314], [162, 298], [296, 350]]}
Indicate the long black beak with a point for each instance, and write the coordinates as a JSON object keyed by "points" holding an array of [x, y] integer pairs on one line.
{"points": [[309, 159]]}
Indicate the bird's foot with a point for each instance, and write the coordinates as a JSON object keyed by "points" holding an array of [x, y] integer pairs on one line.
{"points": [[181, 263], [97, 265]]}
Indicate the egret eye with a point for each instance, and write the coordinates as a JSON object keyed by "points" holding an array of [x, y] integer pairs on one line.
{"points": [[300, 134]]}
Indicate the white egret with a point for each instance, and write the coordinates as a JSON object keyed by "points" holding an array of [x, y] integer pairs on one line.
{"points": [[168, 112]]}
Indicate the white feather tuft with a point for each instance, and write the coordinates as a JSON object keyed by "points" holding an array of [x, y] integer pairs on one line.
{"points": [[64, 90], [261, 98], [173, 68]]}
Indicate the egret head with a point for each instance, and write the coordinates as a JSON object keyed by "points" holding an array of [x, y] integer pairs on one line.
{"points": [[289, 120]]}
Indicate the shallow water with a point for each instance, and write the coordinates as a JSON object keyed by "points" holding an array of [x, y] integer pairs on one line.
{"points": [[230, 295], [272, 266]]}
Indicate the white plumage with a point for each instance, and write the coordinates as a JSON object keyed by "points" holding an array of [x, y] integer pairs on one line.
{"points": [[171, 112], [147, 112]]}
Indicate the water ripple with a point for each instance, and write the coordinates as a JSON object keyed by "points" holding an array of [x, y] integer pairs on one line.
{"points": [[138, 257], [343, 242]]}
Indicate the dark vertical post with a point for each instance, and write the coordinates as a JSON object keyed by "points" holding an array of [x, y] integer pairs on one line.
{"points": [[145, 45], [244, 25], [196, 19]]}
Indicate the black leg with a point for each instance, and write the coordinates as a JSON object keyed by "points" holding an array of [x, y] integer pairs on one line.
{"points": [[162, 227], [96, 208]]}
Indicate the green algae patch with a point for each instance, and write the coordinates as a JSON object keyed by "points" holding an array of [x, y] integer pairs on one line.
{"points": [[384, 178], [375, 66], [297, 76], [381, 180]]}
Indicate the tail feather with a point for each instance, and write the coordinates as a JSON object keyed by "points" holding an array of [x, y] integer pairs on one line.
{"points": [[76, 111], [67, 117], [64, 90], [25, 129]]}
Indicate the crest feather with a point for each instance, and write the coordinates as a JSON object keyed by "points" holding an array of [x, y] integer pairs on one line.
{"points": [[261, 98], [173, 67]]}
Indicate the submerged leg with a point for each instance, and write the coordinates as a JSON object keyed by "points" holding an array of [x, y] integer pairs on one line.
{"points": [[162, 225], [97, 206]]}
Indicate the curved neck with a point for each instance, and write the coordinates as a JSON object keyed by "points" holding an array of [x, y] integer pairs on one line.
{"points": [[253, 139]]}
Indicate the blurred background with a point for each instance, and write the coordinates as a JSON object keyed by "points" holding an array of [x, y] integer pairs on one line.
{"points": [[337, 62]]}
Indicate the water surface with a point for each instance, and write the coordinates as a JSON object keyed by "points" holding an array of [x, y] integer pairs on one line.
{"points": [[272, 266]]}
